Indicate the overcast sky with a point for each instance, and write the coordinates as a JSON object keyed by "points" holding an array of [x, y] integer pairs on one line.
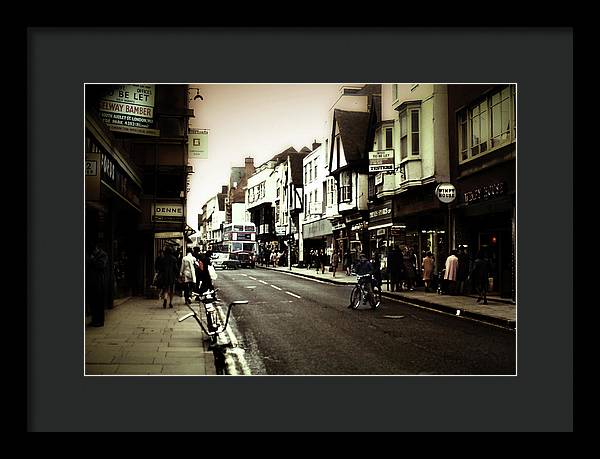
{"points": [[257, 120]]}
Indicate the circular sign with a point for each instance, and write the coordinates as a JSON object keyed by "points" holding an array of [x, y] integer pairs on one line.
{"points": [[445, 192]]}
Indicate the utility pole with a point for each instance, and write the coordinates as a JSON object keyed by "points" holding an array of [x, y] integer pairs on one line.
{"points": [[289, 212]]}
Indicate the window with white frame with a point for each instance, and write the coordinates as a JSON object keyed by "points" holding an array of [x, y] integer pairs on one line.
{"points": [[389, 138], [487, 124], [345, 194], [409, 124], [315, 170], [330, 191]]}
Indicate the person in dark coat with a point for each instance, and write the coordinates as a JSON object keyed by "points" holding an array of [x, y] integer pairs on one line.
{"points": [[97, 284], [479, 277], [376, 262], [167, 268], [348, 262], [394, 263], [463, 270], [205, 282], [410, 272]]}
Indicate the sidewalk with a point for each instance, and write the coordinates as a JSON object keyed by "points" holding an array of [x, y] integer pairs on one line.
{"points": [[498, 311], [139, 337]]}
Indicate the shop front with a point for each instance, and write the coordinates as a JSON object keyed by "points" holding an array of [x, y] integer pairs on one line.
{"points": [[420, 224], [112, 212], [317, 236], [485, 223], [358, 234]]}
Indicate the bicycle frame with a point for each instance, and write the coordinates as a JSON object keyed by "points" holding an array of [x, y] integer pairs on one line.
{"points": [[207, 299]]}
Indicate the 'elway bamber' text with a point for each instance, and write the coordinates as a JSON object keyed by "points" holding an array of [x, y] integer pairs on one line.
{"points": [[126, 108]]}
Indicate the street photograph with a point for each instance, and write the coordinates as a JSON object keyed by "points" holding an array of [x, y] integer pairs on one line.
{"points": [[300, 229]]}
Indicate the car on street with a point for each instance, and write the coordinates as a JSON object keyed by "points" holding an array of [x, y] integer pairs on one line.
{"points": [[247, 260], [225, 260]]}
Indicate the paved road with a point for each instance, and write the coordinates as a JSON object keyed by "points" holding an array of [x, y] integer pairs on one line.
{"points": [[298, 326]]}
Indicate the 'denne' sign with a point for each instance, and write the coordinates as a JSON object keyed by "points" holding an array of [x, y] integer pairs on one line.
{"points": [[167, 212], [445, 192]]}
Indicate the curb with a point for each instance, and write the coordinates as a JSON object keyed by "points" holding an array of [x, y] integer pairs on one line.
{"points": [[504, 323]]}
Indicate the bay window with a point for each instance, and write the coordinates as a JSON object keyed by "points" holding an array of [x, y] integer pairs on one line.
{"points": [[345, 194], [487, 124]]}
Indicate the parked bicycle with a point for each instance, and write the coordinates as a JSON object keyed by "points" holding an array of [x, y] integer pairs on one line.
{"points": [[360, 293], [214, 325]]}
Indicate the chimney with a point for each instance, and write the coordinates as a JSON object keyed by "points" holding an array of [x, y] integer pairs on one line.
{"points": [[249, 166], [315, 145], [224, 189]]}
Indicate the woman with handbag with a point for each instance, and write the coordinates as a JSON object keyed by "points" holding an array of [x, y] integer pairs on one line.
{"points": [[166, 275]]}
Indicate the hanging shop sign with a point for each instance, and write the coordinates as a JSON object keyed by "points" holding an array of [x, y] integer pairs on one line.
{"points": [[130, 108], [280, 230], [379, 179], [167, 212], [381, 161], [315, 208], [445, 192], [485, 192], [198, 143], [338, 226], [359, 226]]}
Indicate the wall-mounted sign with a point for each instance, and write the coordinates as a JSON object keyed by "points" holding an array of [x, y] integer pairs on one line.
{"points": [[381, 212], [381, 161], [280, 230], [485, 192], [167, 212], [338, 226], [379, 179], [129, 108], [315, 208], [92, 177], [198, 144], [445, 192]]}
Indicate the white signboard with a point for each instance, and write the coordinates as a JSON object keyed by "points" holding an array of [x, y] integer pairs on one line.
{"points": [[129, 108], [381, 161], [445, 192], [315, 208], [198, 144], [280, 230], [167, 212]]}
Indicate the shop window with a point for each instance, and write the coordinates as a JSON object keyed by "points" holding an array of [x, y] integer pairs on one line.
{"points": [[486, 125]]}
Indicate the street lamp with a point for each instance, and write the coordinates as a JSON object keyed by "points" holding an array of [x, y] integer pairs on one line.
{"points": [[197, 96]]}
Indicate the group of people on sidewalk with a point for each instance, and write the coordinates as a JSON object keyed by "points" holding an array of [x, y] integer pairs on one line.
{"points": [[191, 273]]}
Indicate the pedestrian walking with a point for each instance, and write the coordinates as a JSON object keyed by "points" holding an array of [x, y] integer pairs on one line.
{"points": [[376, 262], [427, 266], [410, 273], [205, 281], [394, 266], [96, 292], [166, 268], [348, 262], [462, 273], [335, 259], [479, 277], [322, 260], [188, 275], [450, 272]]}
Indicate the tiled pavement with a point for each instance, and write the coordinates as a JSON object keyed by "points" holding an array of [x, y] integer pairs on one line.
{"points": [[139, 337]]}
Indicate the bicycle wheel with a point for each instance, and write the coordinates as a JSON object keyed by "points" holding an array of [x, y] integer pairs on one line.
{"points": [[355, 297]]}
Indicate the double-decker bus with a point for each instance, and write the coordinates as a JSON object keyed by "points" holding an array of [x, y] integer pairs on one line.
{"points": [[240, 238]]}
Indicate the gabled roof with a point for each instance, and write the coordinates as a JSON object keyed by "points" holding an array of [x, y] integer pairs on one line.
{"points": [[354, 131], [296, 166]]}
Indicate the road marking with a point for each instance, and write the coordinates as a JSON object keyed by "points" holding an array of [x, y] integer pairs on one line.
{"points": [[251, 286], [238, 352], [293, 294], [242, 274], [308, 278], [253, 278], [275, 287], [263, 282]]}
